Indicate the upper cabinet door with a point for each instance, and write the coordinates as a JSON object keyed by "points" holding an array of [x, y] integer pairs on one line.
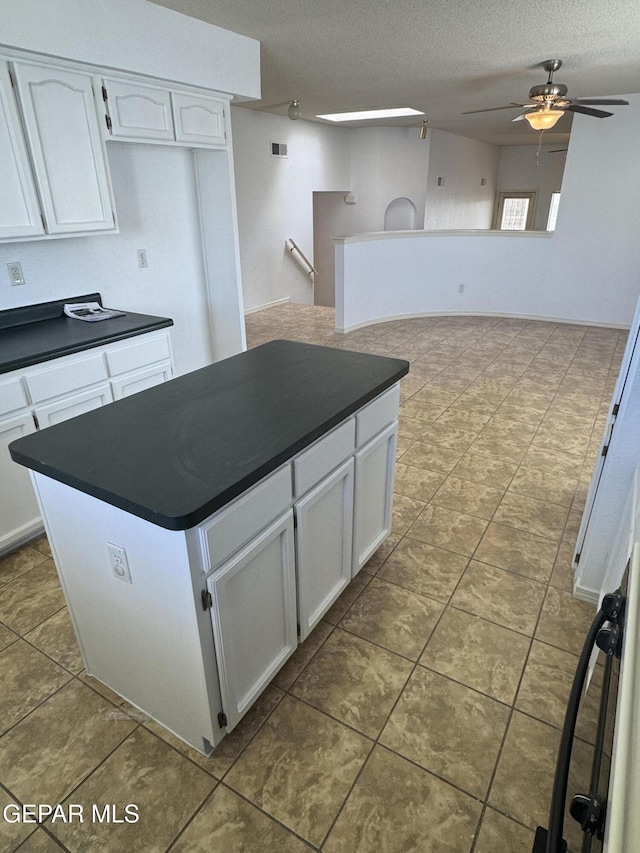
{"points": [[198, 119], [141, 112], [19, 208], [66, 147]]}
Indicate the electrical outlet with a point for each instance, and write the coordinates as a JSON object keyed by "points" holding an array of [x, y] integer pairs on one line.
{"points": [[15, 273], [461, 288], [119, 563], [143, 261]]}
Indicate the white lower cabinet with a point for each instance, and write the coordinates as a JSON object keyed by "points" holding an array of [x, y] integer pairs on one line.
{"points": [[71, 407], [373, 494], [253, 613], [20, 516], [323, 545]]}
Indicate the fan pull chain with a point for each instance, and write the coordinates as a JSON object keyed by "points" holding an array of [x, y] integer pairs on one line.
{"points": [[538, 148]]}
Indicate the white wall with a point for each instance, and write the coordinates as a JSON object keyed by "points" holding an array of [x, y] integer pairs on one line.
{"points": [[156, 203], [462, 202], [520, 169], [588, 270], [275, 198]]}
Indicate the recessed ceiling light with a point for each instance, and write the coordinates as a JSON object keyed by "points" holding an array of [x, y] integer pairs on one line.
{"points": [[361, 115]]}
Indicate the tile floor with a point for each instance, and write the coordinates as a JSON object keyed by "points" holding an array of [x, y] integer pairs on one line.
{"points": [[423, 713]]}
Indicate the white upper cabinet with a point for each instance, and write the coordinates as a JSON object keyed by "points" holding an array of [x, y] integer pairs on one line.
{"points": [[198, 119], [64, 137], [19, 208], [139, 112]]}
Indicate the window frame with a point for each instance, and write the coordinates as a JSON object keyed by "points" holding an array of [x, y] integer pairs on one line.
{"points": [[503, 195]]}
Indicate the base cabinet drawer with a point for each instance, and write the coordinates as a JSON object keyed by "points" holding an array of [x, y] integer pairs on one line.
{"points": [[253, 614]]}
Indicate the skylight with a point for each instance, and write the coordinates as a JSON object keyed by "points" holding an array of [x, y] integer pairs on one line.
{"points": [[361, 115]]}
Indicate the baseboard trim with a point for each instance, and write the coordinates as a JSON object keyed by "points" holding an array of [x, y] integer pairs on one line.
{"points": [[591, 596], [266, 305]]}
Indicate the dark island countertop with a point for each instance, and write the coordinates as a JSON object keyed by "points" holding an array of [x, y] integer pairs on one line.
{"points": [[38, 333], [176, 453]]}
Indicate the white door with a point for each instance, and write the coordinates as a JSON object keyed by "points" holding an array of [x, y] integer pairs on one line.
{"points": [[141, 380], [373, 500], [253, 614], [20, 515], [198, 119], [62, 130], [71, 407], [139, 111], [324, 538], [19, 208]]}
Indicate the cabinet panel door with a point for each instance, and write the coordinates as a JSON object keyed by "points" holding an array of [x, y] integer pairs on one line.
{"points": [[254, 616], [198, 119], [19, 514], [70, 407], [140, 380], [19, 208], [142, 112], [66, 147], [373, 495], [323, 545]]}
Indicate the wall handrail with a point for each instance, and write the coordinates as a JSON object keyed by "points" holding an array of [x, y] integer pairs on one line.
{"points": [[291, 246]]}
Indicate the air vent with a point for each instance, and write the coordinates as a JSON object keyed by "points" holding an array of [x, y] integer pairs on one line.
{"points": [[278, 149]]}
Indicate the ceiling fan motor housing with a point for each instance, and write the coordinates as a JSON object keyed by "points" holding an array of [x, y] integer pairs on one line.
{"points": [[552, 93]]}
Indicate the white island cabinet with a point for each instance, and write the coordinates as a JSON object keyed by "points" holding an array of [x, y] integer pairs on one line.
{"points": [[189, 617]]}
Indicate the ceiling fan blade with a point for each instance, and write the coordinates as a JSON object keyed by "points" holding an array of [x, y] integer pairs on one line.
{"points": [[520, 117], [493, 109], [588, 111], [603, 101], [558, 151]]}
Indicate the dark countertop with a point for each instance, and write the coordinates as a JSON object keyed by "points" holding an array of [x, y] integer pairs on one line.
{"points": [[41, 332], [176, 453]]}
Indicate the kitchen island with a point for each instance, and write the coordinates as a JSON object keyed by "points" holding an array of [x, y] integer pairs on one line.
{"points": [[202, 528]]}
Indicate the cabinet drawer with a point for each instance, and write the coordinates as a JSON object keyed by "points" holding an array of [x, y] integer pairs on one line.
{"points": [[70, 407], [138, 354], [66, 378], [323, 456], [141, 380], [12, 396], [377, 415], [229, 529]]}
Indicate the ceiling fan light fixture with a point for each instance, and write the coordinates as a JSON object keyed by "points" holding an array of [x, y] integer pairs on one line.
{"points": [[543, 119], [294, 110]]}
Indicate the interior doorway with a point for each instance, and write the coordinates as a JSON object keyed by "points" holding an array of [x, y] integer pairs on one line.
{"points": [[329, 216]]}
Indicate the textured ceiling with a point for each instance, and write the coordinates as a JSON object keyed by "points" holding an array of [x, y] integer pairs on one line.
{"points": [[439, 56]]}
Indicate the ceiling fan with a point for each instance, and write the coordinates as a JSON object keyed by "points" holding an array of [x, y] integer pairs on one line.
{"points": [[551, 102]]}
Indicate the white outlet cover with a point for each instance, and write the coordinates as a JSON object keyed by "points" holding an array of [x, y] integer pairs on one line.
{"points": [[119, 562]]}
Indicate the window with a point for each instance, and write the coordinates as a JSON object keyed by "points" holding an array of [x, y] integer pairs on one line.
{"points": [[553, 211], [515, 211]]}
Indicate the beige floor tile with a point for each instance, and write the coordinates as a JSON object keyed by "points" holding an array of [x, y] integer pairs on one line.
{"points": [[230, 824], [300, 767], [27, 678], [7, 637], [395, 807], [418, 483], [498, 834], [512, 451], [354, 681], [144, 771], [405, 512], [544, 486], [393, 617], [49, 752], [337, 610], [445, 435], [533, 516], [101, 688], [422, 454], [472, 651], [518, 551], [41, 543], [490, 470], [448, 529], [31, 598], [40, 842], [564, 621], [570, 532], [563, 572], [545, 687], [500, 596], [13, 833], [457, 417], [466, 496], [376, 561], [56, 638], [302, 655], [565, 464], [463, 751], [424, 569], [18, 562]]}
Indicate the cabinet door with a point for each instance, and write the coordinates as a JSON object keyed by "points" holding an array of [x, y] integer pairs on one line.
{"points": [[19, 208], [373, 499], [140, 380], [19, 514], [324, 545], [141, 112], [254, 616], [198, 119], [66, 147], [70, 407]]}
